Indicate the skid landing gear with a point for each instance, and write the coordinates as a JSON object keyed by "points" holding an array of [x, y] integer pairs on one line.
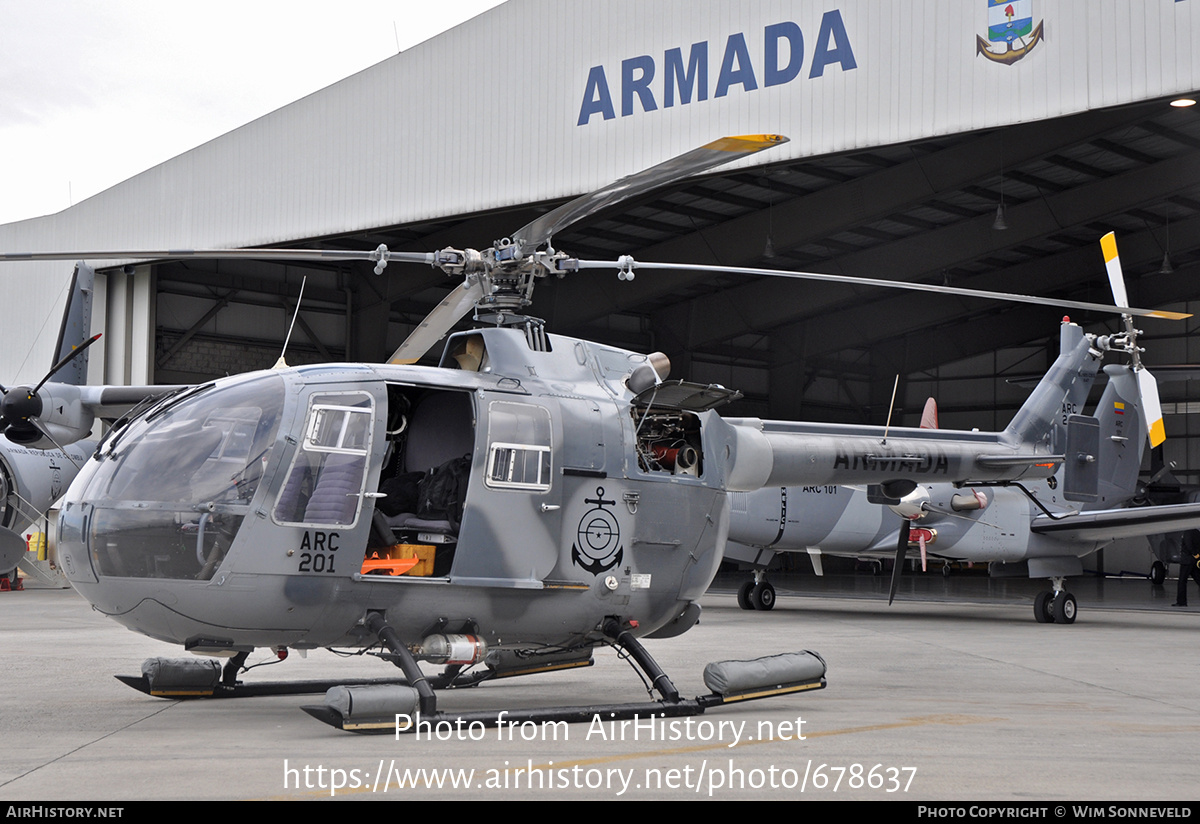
{"points": [[756, 594], [205, 678], [375, 710], [1056, 606]]}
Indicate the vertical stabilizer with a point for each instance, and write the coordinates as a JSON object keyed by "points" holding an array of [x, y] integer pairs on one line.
{"points": [[76, 326], [1068, 380], [1122, 436]]}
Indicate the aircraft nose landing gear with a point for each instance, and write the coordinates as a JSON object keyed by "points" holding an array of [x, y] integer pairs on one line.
{"points": [[1056, 606]]}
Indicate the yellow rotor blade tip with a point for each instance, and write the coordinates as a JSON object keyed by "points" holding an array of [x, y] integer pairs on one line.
{"points": [[746, 143], [1108, 245]]}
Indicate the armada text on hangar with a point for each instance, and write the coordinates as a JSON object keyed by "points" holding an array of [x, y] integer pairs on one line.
{"points": [[680, 79]]}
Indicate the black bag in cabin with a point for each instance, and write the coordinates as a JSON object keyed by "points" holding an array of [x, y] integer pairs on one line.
{"points": [[443, 491]]}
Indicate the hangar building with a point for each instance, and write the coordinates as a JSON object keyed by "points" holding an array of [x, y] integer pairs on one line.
{"points": [[971, 142]]}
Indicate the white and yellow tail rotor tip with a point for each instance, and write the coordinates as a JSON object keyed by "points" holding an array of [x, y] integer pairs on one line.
{"points": [[1116, 279]]}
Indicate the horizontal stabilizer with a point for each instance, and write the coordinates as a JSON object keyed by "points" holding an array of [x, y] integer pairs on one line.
{"points": [[1131, 522], [1018, 460]]}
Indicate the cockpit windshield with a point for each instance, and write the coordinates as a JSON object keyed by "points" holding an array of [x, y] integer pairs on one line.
{"points": [[170, 494]]}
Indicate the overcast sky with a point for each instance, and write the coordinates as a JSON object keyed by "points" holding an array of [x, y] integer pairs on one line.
{"points": [[93, 92]]}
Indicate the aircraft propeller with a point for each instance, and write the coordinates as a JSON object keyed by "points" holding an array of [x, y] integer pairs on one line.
{"points": [[21, 406], [901, 550]]}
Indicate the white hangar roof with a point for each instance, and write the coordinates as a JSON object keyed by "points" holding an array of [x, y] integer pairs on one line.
{"points": [[537, 100]]}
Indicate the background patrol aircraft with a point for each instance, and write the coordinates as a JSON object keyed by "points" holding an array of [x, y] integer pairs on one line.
{"points": [[32, 479], [1037, 528]]}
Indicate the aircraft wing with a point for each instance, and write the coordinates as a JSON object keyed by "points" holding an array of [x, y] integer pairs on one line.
{"points": [[1128, 522], [111, 402], [59, 414]]}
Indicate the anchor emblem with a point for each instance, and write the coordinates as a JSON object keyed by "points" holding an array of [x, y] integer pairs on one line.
{"points": [[598, 548]]}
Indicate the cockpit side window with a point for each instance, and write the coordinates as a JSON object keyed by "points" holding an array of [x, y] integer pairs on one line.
{"points": [[170, 492], [325, 483]]}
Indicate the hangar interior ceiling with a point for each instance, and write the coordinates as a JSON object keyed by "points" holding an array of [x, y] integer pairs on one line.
{"points": [[923, 212]]}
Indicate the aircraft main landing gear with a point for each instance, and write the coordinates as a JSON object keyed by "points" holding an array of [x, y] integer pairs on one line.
{"points": [[1042, 609], [1064, 608], [756, 594], [1158, 573]]}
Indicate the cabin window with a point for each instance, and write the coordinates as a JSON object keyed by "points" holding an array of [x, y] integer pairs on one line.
{"points": [[519, 447], [518, 466], [340, 429], [325, 483]]}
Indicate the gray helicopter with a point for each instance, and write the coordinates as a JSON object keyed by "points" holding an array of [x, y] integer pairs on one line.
{"points": [[529, 499]]}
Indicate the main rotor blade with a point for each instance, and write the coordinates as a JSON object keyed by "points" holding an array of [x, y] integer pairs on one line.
{"points": [[631, 265], [376, 255], [438, 322], [534, 234]]}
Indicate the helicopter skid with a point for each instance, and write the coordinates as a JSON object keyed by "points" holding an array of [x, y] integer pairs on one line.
{"points": [[401, 709], [414, 708], [242, 690], [182, 678], [401, 716]]}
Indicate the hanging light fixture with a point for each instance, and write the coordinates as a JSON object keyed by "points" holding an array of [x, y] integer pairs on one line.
{"points": [[1166, 267], [769, 248], [1000, 224]]}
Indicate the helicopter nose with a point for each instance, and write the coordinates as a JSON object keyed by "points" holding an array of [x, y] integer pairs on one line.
{"points": [[169, 491]]}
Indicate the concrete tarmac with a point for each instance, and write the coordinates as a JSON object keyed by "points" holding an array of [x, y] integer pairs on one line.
{"points": [[950, 699]]}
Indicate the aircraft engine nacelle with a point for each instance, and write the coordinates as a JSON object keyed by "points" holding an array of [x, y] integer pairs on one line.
{"points": [[51, 416], [914, 505]]}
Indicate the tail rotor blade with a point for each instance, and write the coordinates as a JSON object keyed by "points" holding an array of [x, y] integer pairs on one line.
{"points": [[1147, 386], [1151, 408], [1112, 263]]}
